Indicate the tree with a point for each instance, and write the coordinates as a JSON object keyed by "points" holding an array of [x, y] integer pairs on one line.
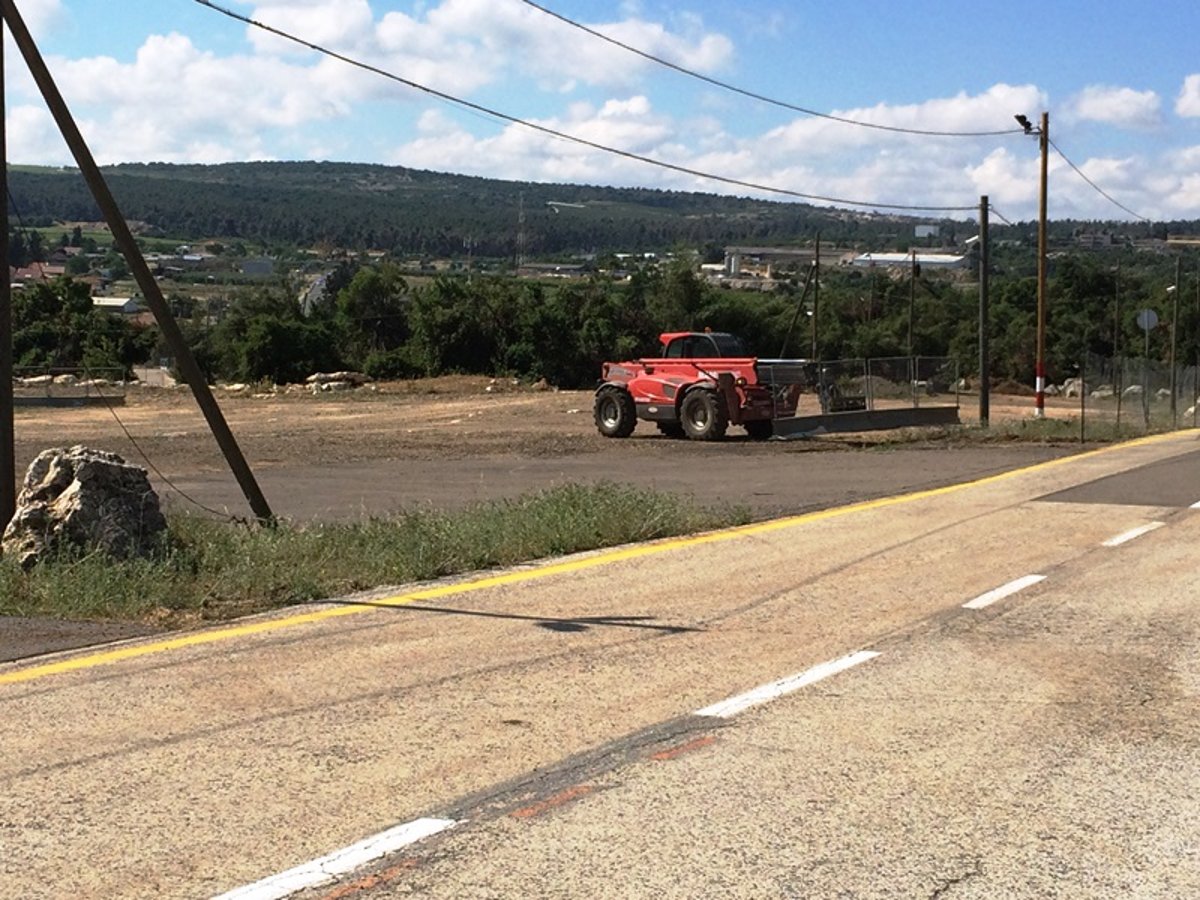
{"points": [[372, 313], [55, 325]]}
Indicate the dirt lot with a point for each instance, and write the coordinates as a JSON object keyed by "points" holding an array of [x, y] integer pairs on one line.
{"points": [[450, 442], [447, 442]]}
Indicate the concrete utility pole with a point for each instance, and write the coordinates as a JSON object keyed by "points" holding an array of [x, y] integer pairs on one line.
{"points": [[137, 264], [8, 464], [985, 364]]}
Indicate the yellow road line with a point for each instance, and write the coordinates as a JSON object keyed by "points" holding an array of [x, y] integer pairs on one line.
{"points": [[602, 558]]}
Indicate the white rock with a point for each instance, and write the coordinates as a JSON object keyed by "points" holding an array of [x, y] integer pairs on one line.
{"points": [[1073, 387], [354, 378], [83, 499]]}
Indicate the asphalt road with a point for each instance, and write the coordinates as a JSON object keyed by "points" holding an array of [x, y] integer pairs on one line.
{"points": [[568, 730], [770, 479]]}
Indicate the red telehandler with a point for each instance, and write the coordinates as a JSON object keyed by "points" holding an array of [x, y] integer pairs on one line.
{"points": [[702, 383]]}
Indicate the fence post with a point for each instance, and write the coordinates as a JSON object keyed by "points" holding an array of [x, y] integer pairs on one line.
{"points": [[1083, 396]]}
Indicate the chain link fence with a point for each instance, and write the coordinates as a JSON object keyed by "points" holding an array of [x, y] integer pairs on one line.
{"points": [[1109, 399], [854, 385], [1129, 395]]}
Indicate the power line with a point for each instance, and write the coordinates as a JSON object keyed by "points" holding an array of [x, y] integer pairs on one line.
{"points": [[762, 98], [997, 213], [478, 108], [1099, 190]]}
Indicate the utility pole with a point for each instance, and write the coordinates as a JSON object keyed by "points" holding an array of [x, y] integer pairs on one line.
{"points": [[816, 334], [1043, 133], [985, 368], [912, 299], [8, 463], [1040, 371], [520, 232], [1118, 366], [137, 263], [1174, 289]]}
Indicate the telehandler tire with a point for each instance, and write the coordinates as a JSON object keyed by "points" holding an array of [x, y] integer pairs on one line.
{"points": [[614, 412], [703, 415]]}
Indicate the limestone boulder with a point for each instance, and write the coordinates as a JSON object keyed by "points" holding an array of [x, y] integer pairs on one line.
{"points": [[86, 499], [1074, 387]]}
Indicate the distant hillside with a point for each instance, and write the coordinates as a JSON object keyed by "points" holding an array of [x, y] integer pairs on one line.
{"points": [[409, 211]]}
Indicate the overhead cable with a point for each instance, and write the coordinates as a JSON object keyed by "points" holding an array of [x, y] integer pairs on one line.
{"points": [[999, 215], [1099, 190], [762, 98], [478, 108]]}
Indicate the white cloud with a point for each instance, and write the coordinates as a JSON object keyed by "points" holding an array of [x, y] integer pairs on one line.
{"points": [[1188, 102], [462, 45], [33, 137], [517, 152], [338, 24], [176, 101], [1120, 106], [39, 15]]}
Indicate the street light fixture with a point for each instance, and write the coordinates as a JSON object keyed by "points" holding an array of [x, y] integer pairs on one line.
{"points": [[1043, 133]]}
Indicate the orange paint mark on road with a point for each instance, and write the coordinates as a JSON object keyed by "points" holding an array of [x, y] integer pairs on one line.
{"points": [[388, 875], [675, 752], [560, 799]]}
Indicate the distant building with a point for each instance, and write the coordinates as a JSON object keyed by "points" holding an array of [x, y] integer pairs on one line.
{"points": [[258, 267], [35, 271], [125, 306], [551, 270], [896, 260], [927, 231], [1094, 240], [763, 262]]}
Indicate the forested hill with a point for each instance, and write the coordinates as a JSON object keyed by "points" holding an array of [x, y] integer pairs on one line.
{"points": [[410, 211]]}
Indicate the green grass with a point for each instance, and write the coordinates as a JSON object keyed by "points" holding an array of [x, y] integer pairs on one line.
{"points": [[215, 571]]}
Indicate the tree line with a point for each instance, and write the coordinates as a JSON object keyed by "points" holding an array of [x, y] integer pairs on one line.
{"points": [[373, 320]]}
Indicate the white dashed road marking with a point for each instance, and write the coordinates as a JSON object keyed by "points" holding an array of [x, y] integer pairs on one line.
{"points": [[1132, 533], [734, 705], [1003, 591], [327, 868]]}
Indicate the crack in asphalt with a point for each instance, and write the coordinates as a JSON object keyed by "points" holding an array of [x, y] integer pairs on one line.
{"points": [[950, 883]]}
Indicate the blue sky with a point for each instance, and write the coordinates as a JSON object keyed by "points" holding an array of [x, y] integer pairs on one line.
{"points": [[174, 81]]}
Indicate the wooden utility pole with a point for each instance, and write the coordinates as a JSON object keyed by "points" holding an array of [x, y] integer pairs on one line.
{"points": [[1040, 373], [1174, 338], [816, 329], [8, 464], [985, 367], [1118, 366], [123, 238], [912, 299]]}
